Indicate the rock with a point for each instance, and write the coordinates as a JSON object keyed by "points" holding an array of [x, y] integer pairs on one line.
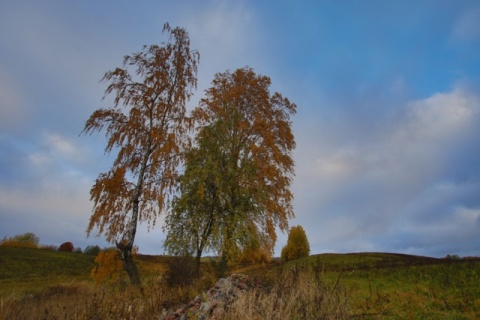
{"points": [[218, 298]]}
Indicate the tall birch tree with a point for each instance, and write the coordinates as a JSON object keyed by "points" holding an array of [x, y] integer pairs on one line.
{"points": [[146, 127]]}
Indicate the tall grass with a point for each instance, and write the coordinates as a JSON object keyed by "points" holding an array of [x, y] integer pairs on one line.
{"points": [[85, 302], [40, 284], [294, 294]]}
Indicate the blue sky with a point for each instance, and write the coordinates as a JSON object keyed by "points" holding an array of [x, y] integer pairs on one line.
{"points": [[388, 154]]}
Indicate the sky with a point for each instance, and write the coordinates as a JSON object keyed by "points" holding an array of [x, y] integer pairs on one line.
{"points": [[387, 125]]}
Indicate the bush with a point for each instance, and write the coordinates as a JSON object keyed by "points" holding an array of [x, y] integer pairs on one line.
{"points": [[297, 245], [181, 271], [66, 247], [92, 250], [108, 267], [255, 253], [26, 240]]}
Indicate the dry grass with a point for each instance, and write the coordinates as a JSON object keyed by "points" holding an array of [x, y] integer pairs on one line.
{"points": [[82, 302], [293, 295], [39, 284]]}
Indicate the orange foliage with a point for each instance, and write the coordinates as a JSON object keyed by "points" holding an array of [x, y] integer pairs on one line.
{"points": [[66, 247], [297, 245], [108, 267], [26, 240], [147, 125], [252, 130], [255, 255]]}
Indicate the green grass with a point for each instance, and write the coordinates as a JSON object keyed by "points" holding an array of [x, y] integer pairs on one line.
{"points": [[363, 261], [442, 290], [28, 269], [394, 286], [371, 285]]}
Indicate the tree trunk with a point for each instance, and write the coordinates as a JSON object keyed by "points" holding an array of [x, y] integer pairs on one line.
{"points": [[197, 263], [128, 264], [126, 245]]}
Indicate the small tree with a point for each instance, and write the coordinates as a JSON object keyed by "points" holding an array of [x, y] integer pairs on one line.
{"points": [[297, 245], [66, 247]]}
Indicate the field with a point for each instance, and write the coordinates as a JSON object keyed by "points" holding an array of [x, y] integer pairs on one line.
{"points": [[44, 284]]}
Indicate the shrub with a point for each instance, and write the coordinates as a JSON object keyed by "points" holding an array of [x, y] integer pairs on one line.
{"points": [[26, 240], [297, 245], [254, 254], [66, 247], [92, 250], [108, 267], [181, 271]]}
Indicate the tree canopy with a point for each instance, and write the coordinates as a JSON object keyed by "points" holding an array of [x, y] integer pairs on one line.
{"points": [[235, 190]]}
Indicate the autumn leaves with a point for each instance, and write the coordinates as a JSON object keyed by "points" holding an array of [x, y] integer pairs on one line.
{"points": [[224, 186]]}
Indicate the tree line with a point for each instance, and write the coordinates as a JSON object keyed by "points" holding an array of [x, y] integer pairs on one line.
{"points": [[221, 174], [31, 240]]}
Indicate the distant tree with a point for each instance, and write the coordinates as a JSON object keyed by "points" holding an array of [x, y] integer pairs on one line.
{"points": [[26, 240], [147, 125], [92, 250], [66, 247], [297, 245], [235, 189], [78, 250]]}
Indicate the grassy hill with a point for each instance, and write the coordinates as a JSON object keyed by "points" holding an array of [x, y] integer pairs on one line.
{"points": [[27, 269], [366, 285], [366, 260]]}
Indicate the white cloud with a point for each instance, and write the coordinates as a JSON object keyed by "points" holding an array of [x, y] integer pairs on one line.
{"points": [[362, 183], [62, 146], [440, 118], [59, 156], [338, 165]]}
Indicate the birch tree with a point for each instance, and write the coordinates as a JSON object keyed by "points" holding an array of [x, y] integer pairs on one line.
{"points": [[241, 189], [146, 127]]}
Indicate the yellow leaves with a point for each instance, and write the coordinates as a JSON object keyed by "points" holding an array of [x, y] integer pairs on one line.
{"points": [[108, 267], [297, 245]]}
